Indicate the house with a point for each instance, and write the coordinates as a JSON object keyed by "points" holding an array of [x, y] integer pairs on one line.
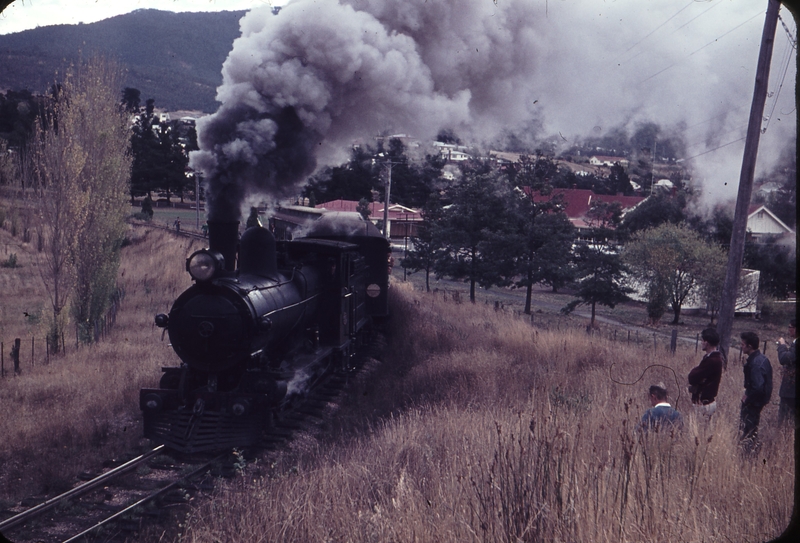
{"points": [[577, 203], [451, 151], [694, 304], [763, 223], [403, 221], [600, 160]]}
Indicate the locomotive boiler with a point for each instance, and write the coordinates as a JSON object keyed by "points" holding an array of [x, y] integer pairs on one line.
{"points": [[262, 324]]}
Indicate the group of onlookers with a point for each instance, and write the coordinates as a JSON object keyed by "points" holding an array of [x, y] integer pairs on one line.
{"points": [[704, 382]]}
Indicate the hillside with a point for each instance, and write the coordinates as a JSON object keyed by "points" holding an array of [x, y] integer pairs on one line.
{"points": [[175, 58]]}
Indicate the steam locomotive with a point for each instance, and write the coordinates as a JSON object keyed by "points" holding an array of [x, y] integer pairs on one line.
{"points": [[255, 333]]}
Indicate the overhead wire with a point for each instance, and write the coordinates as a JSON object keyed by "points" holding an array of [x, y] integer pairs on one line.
{"points": [[701, 48], [656, 29], [783, 69]]}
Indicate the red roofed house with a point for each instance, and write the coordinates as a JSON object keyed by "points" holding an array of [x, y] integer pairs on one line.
{"points": [[578, 202], [403, 221]]}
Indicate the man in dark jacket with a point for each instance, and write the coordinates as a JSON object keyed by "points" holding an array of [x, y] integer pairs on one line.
{"points": [[787, 356], [704, 379], [757, 390]]}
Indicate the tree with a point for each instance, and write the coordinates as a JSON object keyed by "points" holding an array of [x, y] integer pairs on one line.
{"points": [[351, 181], [104, 181], [131, 98], [541, 235], [474, 229], [426, 248], [553, 263], [673, 256], [363, 208], [618, 181], [601, 275], [777, 264], [80, 166], [659, 208], [159, 159], [56, 162]]}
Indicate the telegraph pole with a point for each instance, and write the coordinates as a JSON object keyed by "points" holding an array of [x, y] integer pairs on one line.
{"points": [[386, 203], [736, 254]]}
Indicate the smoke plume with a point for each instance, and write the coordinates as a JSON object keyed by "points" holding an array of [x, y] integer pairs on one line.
{"points": [[299, 87]]}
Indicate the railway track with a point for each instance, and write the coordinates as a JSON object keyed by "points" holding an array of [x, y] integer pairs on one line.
{"points": [[116, 494], [113, 505]]}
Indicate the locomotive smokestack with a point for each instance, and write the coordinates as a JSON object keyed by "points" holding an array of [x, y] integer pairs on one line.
{"points": [[223, 236]]}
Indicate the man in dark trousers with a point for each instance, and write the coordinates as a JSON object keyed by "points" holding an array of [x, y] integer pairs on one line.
{"points": [[705, 377], [787, 356], [757, 390]]}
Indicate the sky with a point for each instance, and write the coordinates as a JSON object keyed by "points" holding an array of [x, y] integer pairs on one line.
{"points": [[571, 67]]}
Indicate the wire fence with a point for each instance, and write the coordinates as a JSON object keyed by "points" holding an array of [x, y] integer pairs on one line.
{"points": [[631, 334], [15, 353]]}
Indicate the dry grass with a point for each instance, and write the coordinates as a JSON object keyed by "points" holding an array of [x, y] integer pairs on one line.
{"points": [[478, 427], [66, 416]]}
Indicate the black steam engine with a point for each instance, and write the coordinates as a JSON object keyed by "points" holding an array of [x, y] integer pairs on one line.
{"points": [[254, 334]]}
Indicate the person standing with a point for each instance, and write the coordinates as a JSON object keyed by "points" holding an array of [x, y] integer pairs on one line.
{"points": [[757, 390], [177, 224], [705, 377], [661, 416], [787, 356]]}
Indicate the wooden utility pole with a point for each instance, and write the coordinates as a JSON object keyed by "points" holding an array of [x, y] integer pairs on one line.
{"points": [[736, 254]]}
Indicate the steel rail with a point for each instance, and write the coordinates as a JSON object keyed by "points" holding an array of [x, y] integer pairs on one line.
{"points": [[142, 501], [78, 490]]}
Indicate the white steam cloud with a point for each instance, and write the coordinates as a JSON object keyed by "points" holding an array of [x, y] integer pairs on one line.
{"points": [[299, 87]]}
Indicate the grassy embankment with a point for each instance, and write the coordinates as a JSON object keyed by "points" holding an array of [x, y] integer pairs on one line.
{"points": [[479, 427], [65, 416], [476, 427]]}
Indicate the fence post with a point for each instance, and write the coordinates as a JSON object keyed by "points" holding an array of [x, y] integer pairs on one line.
{"points": [[673, 342], [15, 354]]}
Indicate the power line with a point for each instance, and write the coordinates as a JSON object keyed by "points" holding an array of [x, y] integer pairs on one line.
{"points": [[695, 17], [701, 48], [656, 28], [715, 148]]}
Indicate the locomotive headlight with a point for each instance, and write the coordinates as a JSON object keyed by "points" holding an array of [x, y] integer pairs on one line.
{"points": [[202, 265]]}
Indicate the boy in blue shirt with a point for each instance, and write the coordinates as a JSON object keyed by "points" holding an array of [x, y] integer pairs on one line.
{"points": [[661, 416]]}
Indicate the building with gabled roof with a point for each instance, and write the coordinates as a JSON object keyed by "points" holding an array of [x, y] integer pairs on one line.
{"points": [[763, 223], [403, 221]]}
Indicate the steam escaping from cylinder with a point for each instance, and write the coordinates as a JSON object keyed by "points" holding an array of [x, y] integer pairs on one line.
{"points": [[300, 86]]}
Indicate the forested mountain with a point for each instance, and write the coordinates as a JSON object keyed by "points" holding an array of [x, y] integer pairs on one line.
{"points": [[175, 58]]}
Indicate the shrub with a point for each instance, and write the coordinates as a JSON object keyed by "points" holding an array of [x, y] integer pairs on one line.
{"points": [[10, 262]]}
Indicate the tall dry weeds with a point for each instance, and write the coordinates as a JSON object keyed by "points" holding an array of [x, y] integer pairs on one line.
{"points": [[478, 427], [67, 416]]}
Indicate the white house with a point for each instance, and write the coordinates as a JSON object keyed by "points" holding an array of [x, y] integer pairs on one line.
{"points": [[762, 223], [599, 160]]}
